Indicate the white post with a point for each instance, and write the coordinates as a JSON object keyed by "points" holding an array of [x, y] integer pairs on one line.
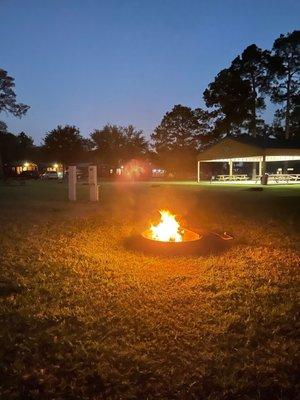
{"points": [[263, 165], [94, 196], [260, 168], [254, 171], [230, 167], [198, 172], [72, 179]]}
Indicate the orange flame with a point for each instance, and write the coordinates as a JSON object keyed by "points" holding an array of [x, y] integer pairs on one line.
{"points": [[168, 230]]}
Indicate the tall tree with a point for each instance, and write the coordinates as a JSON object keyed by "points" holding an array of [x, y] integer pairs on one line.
{"points": [[3, 126], [179, 128], [115, 145], [8, 147], [8, 98], [66, 145], [15, 147], [8, 104], [109, 143], [230, 98], [136, 145], [295, 117], [286, 76], [24, 147], [252, 66], [177, 138], [24, 140], [206, 120]]}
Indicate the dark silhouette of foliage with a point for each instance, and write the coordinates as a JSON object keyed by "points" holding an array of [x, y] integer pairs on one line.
{"points": [[178, 137], [65, 144], [15, 147], [8, 145], [108, 144], [136, 144], [178, 129], [237, 94], [8, 104], [3, 126], [285, 75], [252, 66], [114, 145], [8, 101], [230, 98]]}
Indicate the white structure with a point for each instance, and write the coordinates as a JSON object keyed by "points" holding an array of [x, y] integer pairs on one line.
{"points": [[72, 180], [248, 149], [93, 183]]}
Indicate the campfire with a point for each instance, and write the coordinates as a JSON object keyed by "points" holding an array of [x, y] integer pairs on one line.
{"points": [[169, 230], [168, 237]]}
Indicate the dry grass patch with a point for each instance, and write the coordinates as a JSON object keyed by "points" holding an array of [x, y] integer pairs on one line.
{"points": [[83, 318]]}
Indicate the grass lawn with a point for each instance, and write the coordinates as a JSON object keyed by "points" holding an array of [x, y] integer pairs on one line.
{"points": [[84, 318]]}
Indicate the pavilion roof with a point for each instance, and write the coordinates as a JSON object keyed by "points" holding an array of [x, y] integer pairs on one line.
{"points": [[267, 142], [245, 146]]}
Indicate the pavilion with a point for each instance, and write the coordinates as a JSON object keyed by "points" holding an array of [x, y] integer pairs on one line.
{"points": [[249, 149]]}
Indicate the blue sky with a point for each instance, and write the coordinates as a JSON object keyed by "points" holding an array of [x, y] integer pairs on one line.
{"points": [[92, 62]]}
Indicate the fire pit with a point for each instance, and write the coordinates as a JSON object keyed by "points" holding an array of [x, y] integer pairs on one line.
{"points": [[168, 238]]}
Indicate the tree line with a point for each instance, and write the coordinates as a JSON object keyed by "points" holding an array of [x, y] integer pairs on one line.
{"points": [[235, 103], [110, 145]]}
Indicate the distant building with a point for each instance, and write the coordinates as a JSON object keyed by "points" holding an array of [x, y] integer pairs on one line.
{"points": [[21, 166]]}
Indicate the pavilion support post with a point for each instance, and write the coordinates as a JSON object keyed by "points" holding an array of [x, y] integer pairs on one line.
{"points": [[263, 165], [198, 171], [230, 167], [254, 171], [260, 168]]}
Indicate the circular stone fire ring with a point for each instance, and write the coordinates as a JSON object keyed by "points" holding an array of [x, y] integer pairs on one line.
{"points": [[193, 244]]}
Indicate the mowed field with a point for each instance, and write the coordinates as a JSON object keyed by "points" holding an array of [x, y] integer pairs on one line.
{"points": [[83, 317]]}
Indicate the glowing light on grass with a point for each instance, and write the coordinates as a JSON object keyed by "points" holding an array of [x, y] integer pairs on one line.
{"points": [[168, 229]]}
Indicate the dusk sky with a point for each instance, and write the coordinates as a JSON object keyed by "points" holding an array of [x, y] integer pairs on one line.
{"points": [[92, 62]]}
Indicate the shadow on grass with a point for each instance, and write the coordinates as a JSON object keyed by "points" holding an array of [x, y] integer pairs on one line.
{"points": [[8, 288]]}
